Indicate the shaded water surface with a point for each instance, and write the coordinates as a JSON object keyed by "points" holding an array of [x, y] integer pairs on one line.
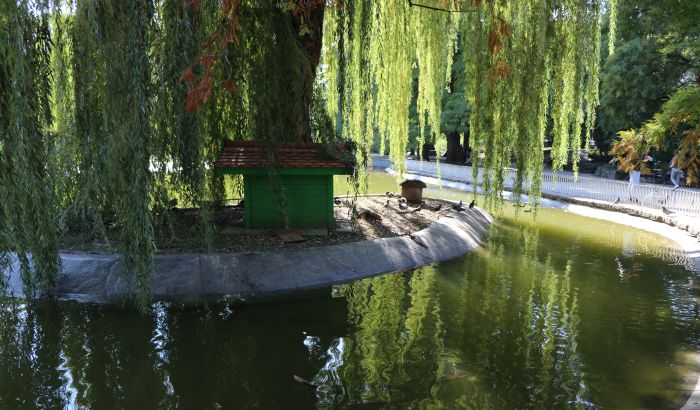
{"points": [[561, 312]]}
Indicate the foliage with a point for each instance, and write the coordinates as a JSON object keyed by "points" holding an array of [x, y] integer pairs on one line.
{"points": [[454, 109], [657, 45], [680, 114], [27, 211], [95, 123], [634, 83], [97, 100], [631, 152], [612, 27], [515, 71], [671, 23]]}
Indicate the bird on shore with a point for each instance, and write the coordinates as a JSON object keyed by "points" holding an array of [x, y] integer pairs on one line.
{"points": [[617, 201], [336, 201], [666, 210], [472, 203], [458, 207]]}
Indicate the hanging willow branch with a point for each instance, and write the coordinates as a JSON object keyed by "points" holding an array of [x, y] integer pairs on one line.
{"points": [[97, 101], [455, 9], [28, 211], [525, 62]]}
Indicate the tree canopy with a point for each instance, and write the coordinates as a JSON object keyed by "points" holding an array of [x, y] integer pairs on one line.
{"points": [[656, 69], [98, 100], [635, 81]]}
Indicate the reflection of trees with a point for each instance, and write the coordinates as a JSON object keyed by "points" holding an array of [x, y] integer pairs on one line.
{"points": [[55, 355], [59, 354], [498, 329]]}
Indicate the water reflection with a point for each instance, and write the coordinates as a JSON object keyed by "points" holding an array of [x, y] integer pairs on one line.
{"points": [[539, 318], [466, 334], [507, 327]]}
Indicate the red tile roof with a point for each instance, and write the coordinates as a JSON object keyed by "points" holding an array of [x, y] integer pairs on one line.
{"points": [[246, 154]]}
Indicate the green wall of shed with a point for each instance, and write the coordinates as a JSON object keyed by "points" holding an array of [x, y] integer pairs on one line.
{"points": [[309, 201]]}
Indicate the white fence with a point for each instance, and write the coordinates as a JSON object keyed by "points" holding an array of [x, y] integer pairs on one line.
{"points": [[647, 195]]}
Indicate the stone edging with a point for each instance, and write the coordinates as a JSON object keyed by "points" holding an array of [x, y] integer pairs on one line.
{"points": [[672, 220], [103, 278]]}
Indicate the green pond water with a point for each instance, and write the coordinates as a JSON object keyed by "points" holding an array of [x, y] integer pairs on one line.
{"points": [[559, 312]]}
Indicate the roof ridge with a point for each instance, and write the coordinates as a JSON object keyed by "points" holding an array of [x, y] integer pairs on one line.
{"points": [[247, 154]]}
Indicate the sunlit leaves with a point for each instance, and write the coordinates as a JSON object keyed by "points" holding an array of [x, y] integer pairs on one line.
{"points": [[525, 61], [631, 151], [681, 113]]}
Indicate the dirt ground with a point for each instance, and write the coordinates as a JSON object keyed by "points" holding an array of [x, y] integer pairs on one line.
{"points": [[374, 217], [394, 219]]}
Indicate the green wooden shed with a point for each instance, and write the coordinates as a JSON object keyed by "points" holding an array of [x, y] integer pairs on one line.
{"points": [[305, 172]]}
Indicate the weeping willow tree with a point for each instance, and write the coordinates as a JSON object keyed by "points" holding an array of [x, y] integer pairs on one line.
{"points": [[111, 112], [528, 63]]}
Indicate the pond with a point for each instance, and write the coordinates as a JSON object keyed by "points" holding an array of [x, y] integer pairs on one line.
{"points": [[557, 312]]}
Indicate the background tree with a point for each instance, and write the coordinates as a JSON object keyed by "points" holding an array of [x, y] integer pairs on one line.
{"points": [[635, 81], [454, 112], [656, 55], [454, 121]]}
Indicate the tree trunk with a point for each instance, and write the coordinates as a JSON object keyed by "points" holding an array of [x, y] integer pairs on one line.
{"points": [[467, 149], [425, 152], [455, 152], [310, 43]]}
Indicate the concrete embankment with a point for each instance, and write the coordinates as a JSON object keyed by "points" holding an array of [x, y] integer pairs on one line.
{"points": [[103, 278]]}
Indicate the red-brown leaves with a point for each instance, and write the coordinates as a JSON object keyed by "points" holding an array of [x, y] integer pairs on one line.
{"points": [[304, 7], [495, 43], [208, 61], [232, 29], [199, 94], [194, 4], [216, 48], [188, 76], [500, 31], [499, 70], [200, 88], [230, 85], [227, 6]]}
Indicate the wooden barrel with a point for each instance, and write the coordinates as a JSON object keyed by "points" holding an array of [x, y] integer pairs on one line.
{"points": [[412, 190]]}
